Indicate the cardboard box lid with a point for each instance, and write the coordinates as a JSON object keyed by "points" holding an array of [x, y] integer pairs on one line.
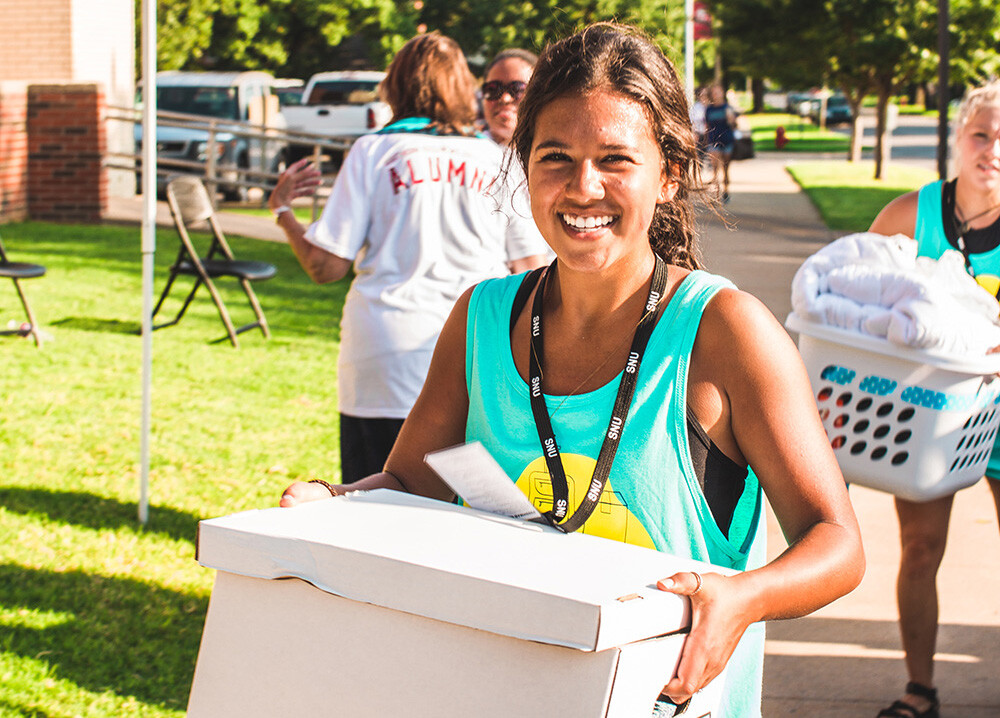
{"points": [[455, 564]]}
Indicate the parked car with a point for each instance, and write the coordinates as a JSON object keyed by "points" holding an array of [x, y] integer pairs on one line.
{"points": [[798, 103], [245, 98], [288, 90], [339, 105], [838, 110]]}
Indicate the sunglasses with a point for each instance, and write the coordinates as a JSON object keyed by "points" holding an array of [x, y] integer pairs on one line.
{"points": [[494, 90]]}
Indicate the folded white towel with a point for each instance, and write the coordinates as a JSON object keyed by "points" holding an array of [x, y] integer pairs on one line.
{"points": [[877, 285]]}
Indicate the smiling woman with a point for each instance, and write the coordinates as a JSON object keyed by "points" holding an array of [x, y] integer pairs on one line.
{"points": [[506, 78], [595, 177], [964, 214], [624, 343]]}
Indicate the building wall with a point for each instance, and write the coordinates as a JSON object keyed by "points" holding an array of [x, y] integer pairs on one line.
{"points": [[74, 42], [13, 151], [66, 145], [35, 39], [103, 51]]}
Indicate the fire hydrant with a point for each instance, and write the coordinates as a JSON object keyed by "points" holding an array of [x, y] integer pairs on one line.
{"points": [[780, 138]]}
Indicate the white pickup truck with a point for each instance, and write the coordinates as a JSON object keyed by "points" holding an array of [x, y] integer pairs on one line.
{"points": [[338, 105]]}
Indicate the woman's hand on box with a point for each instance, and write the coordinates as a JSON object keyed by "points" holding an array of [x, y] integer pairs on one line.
{"points": [[717, 624], [302, 492]]}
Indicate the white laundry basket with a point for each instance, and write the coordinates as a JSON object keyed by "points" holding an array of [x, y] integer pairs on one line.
{"points": [[916, 424]]}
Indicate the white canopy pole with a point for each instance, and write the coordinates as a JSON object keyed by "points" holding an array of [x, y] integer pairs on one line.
{"points": [[148, 240], [689, 50]]}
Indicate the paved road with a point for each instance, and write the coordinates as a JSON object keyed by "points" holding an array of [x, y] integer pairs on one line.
{"points": [[845, 660]]}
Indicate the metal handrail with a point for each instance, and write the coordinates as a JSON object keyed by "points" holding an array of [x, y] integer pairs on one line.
{"points": [[321, 147]]}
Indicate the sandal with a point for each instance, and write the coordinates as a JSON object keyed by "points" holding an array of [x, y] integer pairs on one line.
{"points": [[899, 709]]}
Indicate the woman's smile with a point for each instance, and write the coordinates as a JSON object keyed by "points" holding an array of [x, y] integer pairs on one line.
{"points": [[581, 223], [595, 176]]}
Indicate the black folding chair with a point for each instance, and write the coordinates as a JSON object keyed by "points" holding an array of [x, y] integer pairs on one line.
{"points": [[190, 205], [16, 271]]}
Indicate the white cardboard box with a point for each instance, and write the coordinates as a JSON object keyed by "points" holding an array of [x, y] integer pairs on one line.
{"points": [[399, 605]]}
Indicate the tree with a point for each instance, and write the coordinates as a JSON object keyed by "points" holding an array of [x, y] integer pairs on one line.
{"points": [[860, 46], [296, 37], [484, 27]]}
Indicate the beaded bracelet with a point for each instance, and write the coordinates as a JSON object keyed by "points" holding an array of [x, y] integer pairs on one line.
{"points": [[328, 485]]}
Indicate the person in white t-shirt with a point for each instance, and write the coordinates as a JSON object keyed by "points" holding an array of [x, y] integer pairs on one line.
{"points": [[417, 212]]}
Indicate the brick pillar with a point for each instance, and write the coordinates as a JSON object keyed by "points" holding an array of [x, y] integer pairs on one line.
{"points": [[13, 151], [67, 181]]}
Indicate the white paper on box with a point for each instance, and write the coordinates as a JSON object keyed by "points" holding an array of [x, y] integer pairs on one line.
{"points": [[475, 476], [456, 564]]}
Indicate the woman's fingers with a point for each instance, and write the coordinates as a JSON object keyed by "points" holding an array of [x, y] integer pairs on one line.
{"points": [[302, 492], [685, 583], [695, 668]]}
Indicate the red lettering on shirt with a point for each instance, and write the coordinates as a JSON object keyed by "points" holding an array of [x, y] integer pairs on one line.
{"points": [[413, 175], [397, 181], [454, 172]]}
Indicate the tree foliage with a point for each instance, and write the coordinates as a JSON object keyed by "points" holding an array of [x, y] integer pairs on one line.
{"points": [[484, 27], [287, 37], [298, 37], [860, 46]]}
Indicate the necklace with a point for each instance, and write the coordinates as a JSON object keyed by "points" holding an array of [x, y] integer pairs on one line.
{"points": [[625, 340], [961, 225], [560, 488]]}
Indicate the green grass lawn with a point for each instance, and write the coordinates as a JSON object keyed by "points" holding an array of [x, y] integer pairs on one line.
{"points": [[98, 615], [803, 136], [845, 194]]}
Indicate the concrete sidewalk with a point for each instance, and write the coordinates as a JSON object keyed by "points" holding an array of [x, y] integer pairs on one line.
{"points": [[845, 660]]}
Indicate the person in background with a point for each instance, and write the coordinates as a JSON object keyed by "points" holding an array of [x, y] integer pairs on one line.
{"points": [[962, 213], [720, 122], [504, 82], [416, 212], [624, 342]]}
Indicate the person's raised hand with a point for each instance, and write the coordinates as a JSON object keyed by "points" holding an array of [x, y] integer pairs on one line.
{"points": [[300, 179]]}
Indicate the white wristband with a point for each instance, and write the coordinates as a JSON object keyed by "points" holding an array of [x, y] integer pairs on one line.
{"points": [[278, 211]]}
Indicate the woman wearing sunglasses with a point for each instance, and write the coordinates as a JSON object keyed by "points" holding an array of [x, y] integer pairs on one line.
{"points": [[507, 77]]}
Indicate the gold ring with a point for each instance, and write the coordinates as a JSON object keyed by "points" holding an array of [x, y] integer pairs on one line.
{"points": [[698, 587]]}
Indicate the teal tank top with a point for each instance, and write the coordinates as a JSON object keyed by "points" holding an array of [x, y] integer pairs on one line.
{"points": [[652, 497], [932, 242]]}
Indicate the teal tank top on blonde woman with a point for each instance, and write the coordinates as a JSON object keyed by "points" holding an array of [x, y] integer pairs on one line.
{"points": [[652, 497]]}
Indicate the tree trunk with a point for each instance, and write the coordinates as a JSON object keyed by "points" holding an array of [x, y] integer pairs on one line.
{"points": [[881, 128], [757, 89], [857, 134]]}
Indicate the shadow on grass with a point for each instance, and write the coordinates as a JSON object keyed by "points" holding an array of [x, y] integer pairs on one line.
{"points": [[105, 633], [90, 324], [79, 257], [97, 512]]}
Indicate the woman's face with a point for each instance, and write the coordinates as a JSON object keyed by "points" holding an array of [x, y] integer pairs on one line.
{"points": [[501, 113], [595, 176], [978, 149]]}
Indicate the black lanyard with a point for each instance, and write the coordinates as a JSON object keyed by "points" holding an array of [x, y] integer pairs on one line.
{"points": [[626, 388]]}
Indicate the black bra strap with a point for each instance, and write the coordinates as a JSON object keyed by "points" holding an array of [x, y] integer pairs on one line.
{"points": [[521, 298]]}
